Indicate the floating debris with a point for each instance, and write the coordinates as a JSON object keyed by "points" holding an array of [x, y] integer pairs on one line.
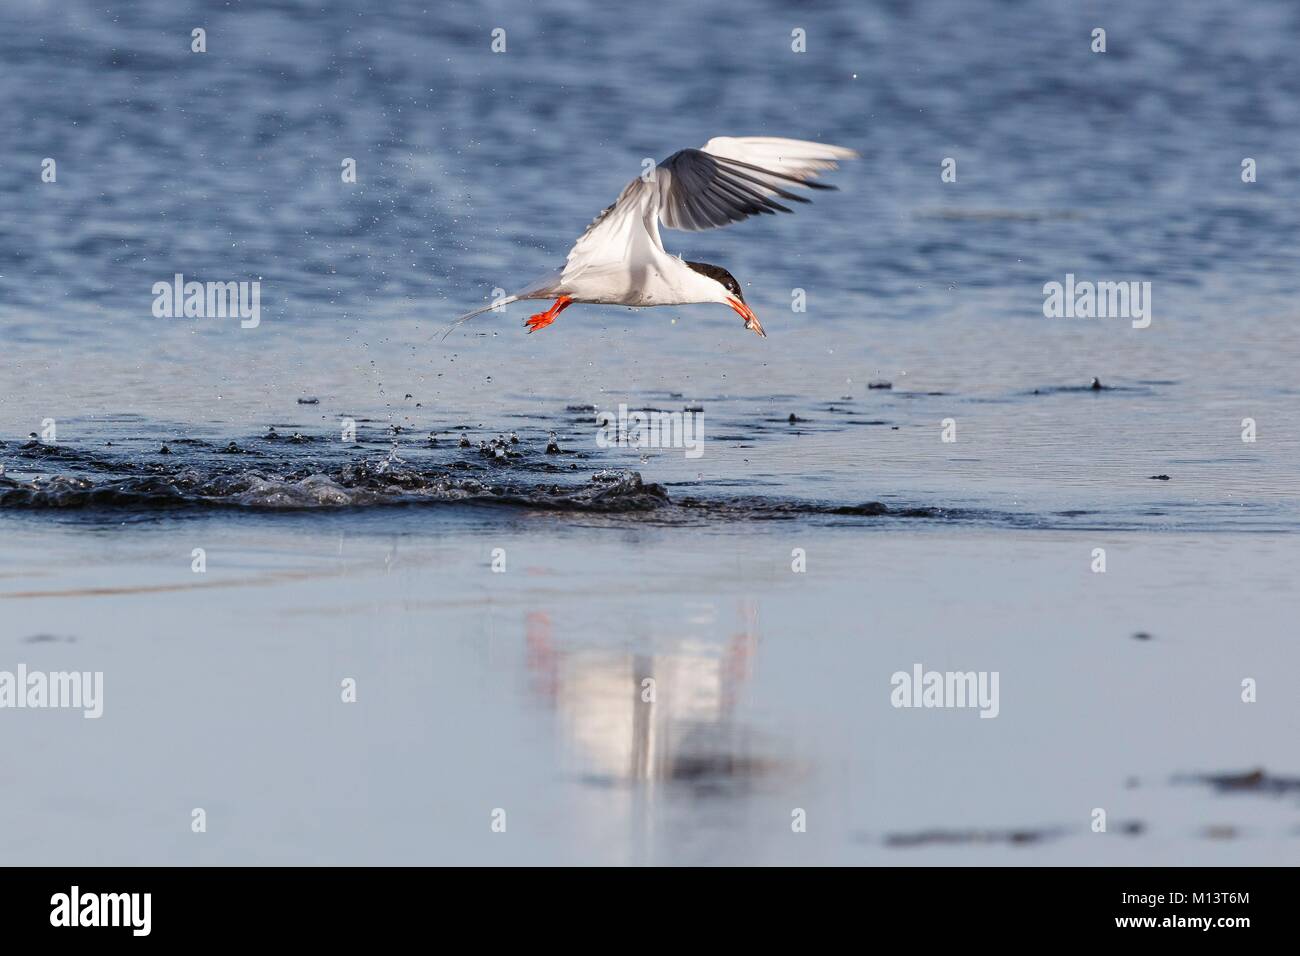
{"points": [[967, 837], [872, 508], [1141, 636], [1220, 831], [1158, 477], [1252, 781], [309, 401], [48, 639], [880, 384]]}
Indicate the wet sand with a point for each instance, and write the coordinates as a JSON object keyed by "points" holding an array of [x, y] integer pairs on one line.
{"points": [[522, 691]]}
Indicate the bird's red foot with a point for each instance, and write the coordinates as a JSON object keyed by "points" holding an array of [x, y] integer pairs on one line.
{"points": [[542, 319]]}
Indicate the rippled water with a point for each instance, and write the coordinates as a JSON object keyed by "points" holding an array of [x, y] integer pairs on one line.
{"points": [[475, 171]]}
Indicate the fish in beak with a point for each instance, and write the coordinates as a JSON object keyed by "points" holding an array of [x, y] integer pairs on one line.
{"points": [[746, 313]]}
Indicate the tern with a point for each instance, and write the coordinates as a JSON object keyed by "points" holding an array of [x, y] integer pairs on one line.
{"points": [[620, 259]]}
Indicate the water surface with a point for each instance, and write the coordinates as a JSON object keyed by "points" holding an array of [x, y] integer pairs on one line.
{"points": [[373, 560]]}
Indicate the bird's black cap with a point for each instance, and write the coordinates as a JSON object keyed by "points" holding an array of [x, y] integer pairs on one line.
{"points": [[721, 275]]}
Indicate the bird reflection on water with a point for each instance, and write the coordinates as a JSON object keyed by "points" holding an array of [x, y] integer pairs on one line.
{"points": [[662, 717]]}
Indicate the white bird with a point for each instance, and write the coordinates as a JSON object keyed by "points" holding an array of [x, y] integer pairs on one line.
{"points": [[620, 259]]}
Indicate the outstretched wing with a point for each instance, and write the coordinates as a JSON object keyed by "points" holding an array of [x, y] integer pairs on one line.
{"points": [[624, 233], [729, 179], [733, 178]]}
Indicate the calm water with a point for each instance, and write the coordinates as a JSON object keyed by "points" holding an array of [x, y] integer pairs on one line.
{"points": [[373, 560]]}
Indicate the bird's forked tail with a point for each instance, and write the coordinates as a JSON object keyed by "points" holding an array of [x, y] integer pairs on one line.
{"points": [[543, 288]]}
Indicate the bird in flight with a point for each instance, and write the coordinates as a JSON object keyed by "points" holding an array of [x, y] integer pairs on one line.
{"points": [[620, 259]]}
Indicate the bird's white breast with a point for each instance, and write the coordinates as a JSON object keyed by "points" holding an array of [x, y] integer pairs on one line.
{"points": [[658, 280]]}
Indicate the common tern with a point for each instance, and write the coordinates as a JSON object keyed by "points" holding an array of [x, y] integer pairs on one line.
{"points": [[620, 259]]}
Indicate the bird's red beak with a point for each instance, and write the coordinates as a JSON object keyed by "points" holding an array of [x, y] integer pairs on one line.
{"points": [[746, 313]]}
